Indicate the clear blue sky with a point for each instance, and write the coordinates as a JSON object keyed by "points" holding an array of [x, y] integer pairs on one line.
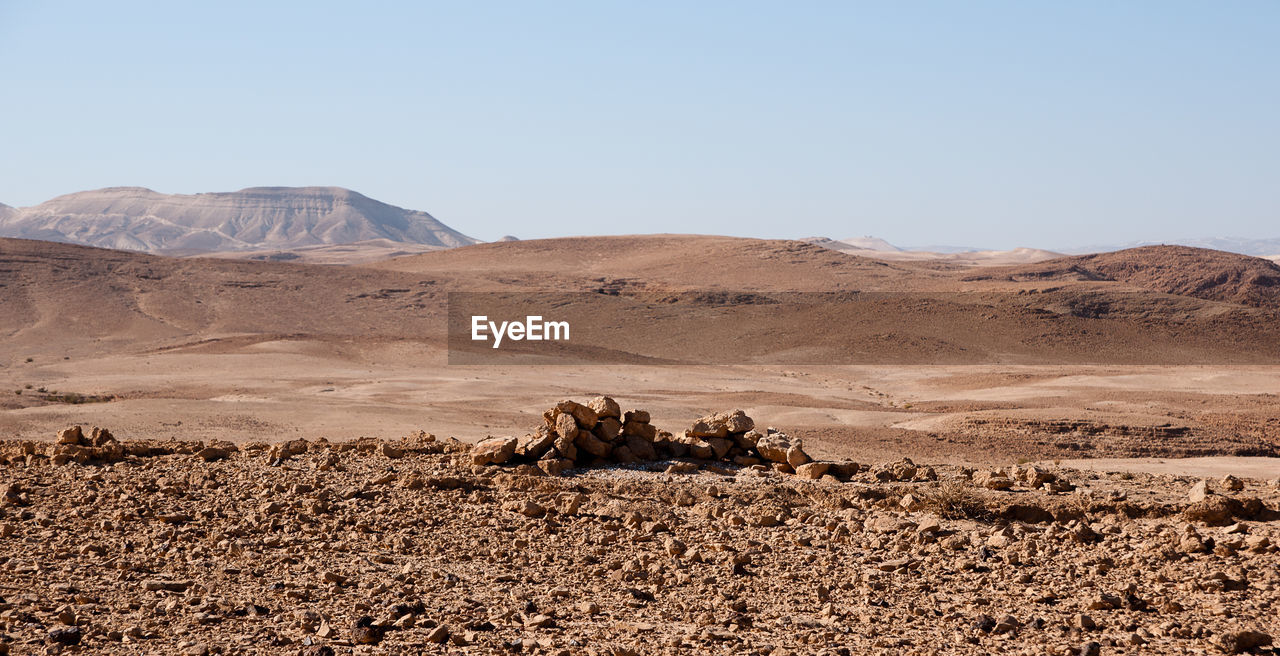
{"points": [[973, 123]]}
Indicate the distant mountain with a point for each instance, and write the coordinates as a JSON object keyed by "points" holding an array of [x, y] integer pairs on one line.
{"points": [[870, 243], [882, 250], [134, 218], [5, 211], [1266, 248], [944, 249]]}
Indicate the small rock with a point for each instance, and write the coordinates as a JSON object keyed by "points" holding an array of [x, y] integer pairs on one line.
{"points": [[438, 635], [1238, 641], [605, 407], [72, 435], [494, 451], [540, 622], [169, 586], [525, 507], [1199, 492], [797, 457], [1212, 510], [366, 632], [992, 480], [773, 447], [67, 635], [812, 470], [212, 453]]}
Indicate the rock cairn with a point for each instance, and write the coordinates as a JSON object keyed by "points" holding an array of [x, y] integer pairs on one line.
{"points": [[598, 433], [572, 433], [99, 446]]}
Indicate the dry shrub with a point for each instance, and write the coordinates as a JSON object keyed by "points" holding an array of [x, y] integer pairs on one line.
{"points": [[956, 500]]}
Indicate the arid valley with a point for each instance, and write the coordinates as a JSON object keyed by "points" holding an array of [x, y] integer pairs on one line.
{"points": [[997, 455], [777, 329]]}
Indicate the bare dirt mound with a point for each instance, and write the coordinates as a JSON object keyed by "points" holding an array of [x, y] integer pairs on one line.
{"points": [[1182, 270]]}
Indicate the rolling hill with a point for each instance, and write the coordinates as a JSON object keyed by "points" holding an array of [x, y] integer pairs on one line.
{"points": [[659, 297], [1181, 270]]}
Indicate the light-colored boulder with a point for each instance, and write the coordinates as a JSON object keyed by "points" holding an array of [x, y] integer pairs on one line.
{"points": [[796, 455], [535, 445], [72, 435], [773, 447], [565, 426], [992, 480], [604, 407], [812, 470], [1199, 492], [494, 451]]}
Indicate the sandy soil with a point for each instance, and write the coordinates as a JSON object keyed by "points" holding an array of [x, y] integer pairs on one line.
{"points": [[1211, 467], [284, 389]]}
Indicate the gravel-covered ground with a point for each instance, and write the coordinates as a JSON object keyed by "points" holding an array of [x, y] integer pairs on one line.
{"points": [[406, 547]]}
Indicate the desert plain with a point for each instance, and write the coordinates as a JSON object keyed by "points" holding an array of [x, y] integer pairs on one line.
{"points": [[1104, 389]]}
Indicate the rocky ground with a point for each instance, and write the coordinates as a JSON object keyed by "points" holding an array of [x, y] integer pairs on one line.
{"points": [[411, 547]]}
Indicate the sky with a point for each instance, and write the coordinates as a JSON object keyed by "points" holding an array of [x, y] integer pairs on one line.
{"points": [[980, 123]]}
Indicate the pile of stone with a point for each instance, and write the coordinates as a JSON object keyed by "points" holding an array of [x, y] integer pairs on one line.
{"points": [[598, 433], [575, 434], [74, 446], [100, 447], [1031, 477], [1209, 507]]}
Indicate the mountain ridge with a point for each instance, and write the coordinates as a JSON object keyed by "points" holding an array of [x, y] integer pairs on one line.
{"points": [[141, 219]]}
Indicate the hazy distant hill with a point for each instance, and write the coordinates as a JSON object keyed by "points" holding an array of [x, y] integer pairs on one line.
{"points": [[1244, 246], [1265, 248], [870, 243], [882, 250], [134, 218]]}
